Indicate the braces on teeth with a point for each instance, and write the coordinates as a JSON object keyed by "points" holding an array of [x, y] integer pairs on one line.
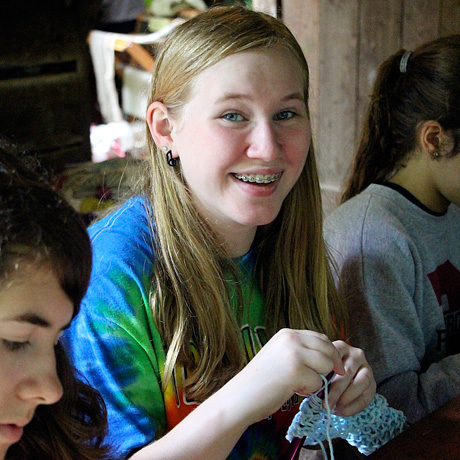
{"points": [[258, 178]]}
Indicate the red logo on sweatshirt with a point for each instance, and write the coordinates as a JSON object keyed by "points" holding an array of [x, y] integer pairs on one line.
{"points": [[446, 285]]}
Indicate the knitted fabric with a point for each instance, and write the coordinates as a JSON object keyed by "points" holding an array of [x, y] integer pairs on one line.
{"points": [[368, 430]]}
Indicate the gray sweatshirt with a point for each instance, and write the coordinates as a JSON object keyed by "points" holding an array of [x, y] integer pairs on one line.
{"points": [[398, 268]]}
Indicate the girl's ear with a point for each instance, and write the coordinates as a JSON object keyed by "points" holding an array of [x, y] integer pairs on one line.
{"points": [[159, 124], [434, 139]]}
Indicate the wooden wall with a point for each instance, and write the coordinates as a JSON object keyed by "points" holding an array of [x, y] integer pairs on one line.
{"points": [[344, 42]]}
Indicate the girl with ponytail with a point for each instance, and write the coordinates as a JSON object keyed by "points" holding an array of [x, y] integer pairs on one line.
{"points": [[395, 235]]}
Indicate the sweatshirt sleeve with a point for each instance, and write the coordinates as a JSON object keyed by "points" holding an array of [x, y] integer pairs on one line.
{"points": [[378, 269]]}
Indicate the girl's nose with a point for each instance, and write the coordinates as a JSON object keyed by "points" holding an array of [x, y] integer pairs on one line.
{"points": [[264, 142], [41, 384]]}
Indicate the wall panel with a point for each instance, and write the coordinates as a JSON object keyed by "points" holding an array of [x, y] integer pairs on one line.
{"points": [[449, 17], [420, 22], [379, 37]]}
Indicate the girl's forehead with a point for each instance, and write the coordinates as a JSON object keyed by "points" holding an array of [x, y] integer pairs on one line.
{"points": [[263, 65], [35, 290], [252, 57], [19, 267]]}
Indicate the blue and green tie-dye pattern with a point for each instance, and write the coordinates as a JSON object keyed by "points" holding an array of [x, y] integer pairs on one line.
{"points": [[116, 346]]}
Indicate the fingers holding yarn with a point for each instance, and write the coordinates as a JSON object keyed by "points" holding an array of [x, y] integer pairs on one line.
{"points": [[361, 416], [311, 349], [354, 390], [289, 363], [358, 395]]}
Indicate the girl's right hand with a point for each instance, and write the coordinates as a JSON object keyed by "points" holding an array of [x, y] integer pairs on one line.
{"points": [[289, 363]]}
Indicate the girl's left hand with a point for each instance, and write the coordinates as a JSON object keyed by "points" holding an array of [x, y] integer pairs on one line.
{"points": [[352, 392]]}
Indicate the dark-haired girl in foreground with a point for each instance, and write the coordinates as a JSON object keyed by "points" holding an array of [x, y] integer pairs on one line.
{"points": [[45, 264]]}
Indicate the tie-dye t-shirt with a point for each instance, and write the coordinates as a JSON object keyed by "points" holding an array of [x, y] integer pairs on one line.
{"points": [[116, 346]]}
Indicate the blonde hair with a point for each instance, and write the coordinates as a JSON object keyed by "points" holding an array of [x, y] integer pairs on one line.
{"points": [[190, 297]]}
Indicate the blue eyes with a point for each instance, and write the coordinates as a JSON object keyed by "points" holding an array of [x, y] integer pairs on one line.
{"points": [[233, 117], [280, 116], [14, 346]]}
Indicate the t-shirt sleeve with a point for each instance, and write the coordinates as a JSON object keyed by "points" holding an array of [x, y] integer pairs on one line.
{"points": [[113, 342]]}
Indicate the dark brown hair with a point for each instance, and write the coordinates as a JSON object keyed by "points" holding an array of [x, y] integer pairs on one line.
{"points": [[39, 226]]}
